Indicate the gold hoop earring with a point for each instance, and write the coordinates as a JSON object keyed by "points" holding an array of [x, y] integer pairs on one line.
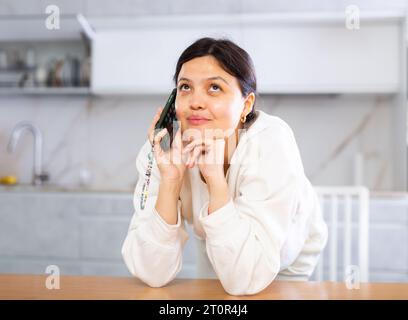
{"points": [[243, 119]]}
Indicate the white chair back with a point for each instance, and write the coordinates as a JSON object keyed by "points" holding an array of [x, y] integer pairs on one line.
{"points": [[330, 201]]}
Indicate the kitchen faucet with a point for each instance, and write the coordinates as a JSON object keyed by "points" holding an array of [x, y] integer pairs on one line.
{"points": [[38, 176]]}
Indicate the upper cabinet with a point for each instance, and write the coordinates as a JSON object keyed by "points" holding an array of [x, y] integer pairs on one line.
{"points": [[302, 53], [141, 57], [326, 57]]}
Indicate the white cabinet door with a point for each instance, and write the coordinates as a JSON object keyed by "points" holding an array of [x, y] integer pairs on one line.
{"points": [[325, 58], [143, 61], [289, 56]]}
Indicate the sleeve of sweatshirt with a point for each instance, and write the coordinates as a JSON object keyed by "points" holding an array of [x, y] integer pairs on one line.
{"points": [[244, 238], [152, 249]]}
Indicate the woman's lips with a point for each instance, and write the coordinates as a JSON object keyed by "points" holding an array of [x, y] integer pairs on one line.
{"points": [[197, 121]]}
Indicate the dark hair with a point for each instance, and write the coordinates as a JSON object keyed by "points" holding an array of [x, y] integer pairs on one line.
{"points": [[232, 58]]}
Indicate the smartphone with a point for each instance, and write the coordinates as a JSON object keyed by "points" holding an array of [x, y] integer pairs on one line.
{"points": [[168, 119]]}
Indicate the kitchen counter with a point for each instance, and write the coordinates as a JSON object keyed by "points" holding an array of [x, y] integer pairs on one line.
{"points": [[18, 286], [77, 190]]}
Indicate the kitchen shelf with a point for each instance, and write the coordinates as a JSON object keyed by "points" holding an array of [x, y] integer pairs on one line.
{"points": [[46, 91], [62, 54]]}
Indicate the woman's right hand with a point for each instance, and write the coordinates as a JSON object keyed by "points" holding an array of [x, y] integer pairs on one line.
{"points": [[171, 163]]}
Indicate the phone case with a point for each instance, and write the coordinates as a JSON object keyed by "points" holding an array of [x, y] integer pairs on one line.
{"points": [[168, 119]]}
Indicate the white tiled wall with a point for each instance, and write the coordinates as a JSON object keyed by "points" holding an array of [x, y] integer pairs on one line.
{"points": [[104, 136]]}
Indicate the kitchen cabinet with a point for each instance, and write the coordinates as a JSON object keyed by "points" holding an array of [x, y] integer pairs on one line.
{"points": [[80, 232], [320, 57], [83, 232], [294, 53], [142, 60]]}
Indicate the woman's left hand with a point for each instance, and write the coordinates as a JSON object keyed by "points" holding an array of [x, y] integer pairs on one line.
{"points": [[208, 154]]}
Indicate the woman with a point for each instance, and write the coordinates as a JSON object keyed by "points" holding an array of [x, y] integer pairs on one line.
{"points": [[233, 173]]}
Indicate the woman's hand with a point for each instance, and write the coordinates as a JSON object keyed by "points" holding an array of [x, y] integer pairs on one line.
{"points": [[170, 162], [208, 153]]}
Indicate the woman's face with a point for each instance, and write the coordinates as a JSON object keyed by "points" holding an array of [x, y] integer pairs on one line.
{"points": [[208, 97]]}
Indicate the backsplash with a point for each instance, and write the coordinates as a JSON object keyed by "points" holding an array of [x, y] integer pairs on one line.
{"points": [[94, 141]]}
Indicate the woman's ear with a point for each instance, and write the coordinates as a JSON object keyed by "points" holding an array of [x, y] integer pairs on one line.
{"points": [[248, 103]]}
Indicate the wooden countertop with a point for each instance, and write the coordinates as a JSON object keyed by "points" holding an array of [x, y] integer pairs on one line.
{"points": [[18, 286]]}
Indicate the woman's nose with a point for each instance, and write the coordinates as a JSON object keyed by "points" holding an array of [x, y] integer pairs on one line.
{"points": [[196, 102]]}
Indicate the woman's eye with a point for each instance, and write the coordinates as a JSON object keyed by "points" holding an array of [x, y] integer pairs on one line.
{"points": [[216, 86], [213, 86], [182, 86]]}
